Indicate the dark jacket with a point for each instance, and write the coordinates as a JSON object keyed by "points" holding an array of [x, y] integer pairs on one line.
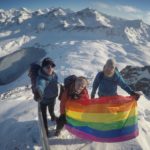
{"points": [[107, 86], [47, 85]]}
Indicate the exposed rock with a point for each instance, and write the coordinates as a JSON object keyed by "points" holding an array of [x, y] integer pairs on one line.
{"points": [[138, 78]]}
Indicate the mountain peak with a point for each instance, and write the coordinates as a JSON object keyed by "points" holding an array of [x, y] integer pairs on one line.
{"points": [[25, 10], [59, 12]]}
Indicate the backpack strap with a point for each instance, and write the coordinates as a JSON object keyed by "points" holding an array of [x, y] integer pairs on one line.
{"points": [[101, 76]]}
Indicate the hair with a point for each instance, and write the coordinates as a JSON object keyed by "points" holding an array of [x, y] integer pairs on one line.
{"points": [[48, 61], [110, 62], [82, 78], [72, 86]]}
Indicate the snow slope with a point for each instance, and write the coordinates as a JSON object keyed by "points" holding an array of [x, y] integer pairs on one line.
{"points": [[80, 43], [18, 123]]}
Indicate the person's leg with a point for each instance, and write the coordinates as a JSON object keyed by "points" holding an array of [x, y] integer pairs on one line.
{"points": [[51, 109], [60, 124], [44, 114]]}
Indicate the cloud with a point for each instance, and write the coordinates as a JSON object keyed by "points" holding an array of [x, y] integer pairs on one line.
{"points": [[148, 14], [100, 5], [128, 9], [123, 11], [146, 17]]}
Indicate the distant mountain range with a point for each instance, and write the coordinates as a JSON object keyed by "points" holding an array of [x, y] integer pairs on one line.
{"points": [[135, 31]]}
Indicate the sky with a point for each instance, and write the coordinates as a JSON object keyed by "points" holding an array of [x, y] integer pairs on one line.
{"points": [[128, 9]]}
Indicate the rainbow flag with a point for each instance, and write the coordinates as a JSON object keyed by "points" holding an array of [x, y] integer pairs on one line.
{"points": [[105, 119]]}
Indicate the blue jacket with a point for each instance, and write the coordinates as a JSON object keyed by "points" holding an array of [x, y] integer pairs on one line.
{"points": [[107, 86], [47, 85]]}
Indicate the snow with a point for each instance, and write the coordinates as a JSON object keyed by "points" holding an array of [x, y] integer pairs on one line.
{"points": [[41, 26], [80, 51], [18, 123]]}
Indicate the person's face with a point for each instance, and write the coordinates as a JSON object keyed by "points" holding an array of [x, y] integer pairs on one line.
{"points": [[79, 86], [109, 71], [48, 69]]}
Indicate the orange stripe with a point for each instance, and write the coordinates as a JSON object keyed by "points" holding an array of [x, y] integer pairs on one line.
{"points": [[100, 108]]}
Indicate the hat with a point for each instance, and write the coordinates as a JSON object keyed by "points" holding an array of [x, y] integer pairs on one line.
{"points": [[110, 63], [48, 62]]}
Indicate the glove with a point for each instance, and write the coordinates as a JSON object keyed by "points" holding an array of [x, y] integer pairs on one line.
{"points": [[38, 96], [92, 96], [136, 95], [74, 95]]}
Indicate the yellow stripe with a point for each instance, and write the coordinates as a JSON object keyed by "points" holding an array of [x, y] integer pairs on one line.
{"points": [[101, 117]]}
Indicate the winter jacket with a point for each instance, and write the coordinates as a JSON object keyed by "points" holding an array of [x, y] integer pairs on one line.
{"points": [[107, 86], [64, 98], [47, 85]]}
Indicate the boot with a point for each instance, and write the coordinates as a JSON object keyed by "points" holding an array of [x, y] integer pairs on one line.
{"points": [[60, 124], [57, 132], [53, 117]]}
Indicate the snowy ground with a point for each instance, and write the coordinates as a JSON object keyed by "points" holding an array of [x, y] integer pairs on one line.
{"points": [[19, 122], [19, 126], [18, 112], [75, 52]]}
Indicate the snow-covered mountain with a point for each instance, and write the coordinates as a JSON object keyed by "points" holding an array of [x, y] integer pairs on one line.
{"points": [[80, 43], [135, 31]]}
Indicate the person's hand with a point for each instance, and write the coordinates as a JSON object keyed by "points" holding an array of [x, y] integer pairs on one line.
{"points": [[92, 96], [136, 95], [38, 96]]}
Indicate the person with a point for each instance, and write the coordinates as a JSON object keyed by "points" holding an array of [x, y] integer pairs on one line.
{"points": [[75, 91], [107, 81], [47, 89]]}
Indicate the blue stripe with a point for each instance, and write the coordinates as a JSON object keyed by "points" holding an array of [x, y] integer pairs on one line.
{"points": [[107, 134]]}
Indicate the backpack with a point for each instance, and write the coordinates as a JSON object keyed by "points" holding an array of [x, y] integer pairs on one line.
{"points": [[67, 83], [69, 80], [33, 73]]}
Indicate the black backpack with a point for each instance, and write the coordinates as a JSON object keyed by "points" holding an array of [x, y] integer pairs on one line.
{"points": [[67, 82], [33, 73]]}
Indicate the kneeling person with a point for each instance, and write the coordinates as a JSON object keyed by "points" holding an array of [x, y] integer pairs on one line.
{"points": [[75, 91]]}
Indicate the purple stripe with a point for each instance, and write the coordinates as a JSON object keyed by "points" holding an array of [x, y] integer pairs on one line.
{"points": [[86, 136]]}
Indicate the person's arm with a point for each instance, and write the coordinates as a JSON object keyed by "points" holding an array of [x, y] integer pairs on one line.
{"points": [[95, 85], [63, 102], [127, 88], [40, 86], [56, 77], [123, 84]]}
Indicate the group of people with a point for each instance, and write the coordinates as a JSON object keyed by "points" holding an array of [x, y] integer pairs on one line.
{"points": [[105, 81]]}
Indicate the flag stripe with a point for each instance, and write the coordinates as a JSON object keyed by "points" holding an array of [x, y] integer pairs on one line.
{"points": [[109, 140], [106, 118], [103, 126], [99, 108], [107, 134]]}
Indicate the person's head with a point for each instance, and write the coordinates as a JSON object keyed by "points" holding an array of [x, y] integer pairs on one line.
{"points": [[109, 67], [48, 66], [80, 84]]}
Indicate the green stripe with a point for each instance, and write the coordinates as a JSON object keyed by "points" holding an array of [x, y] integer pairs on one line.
{"points": [[104, 126]]}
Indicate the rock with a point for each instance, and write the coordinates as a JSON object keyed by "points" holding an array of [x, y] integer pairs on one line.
{"points": [[138, 78]]}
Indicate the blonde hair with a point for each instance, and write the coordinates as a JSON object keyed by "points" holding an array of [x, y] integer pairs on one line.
{"points": [[82, 79]]}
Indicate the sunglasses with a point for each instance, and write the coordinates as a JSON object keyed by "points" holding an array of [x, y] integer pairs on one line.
{"points": [[49, 67]]}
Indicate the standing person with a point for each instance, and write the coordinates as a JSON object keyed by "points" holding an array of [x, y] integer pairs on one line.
{"points": [[74, 91], [46, 85], [108, 80]]}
